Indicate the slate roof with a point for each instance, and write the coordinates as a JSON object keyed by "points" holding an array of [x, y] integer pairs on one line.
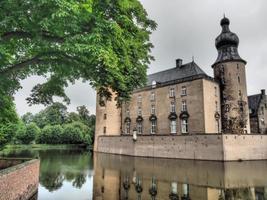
{"points": [[184, 71], [253, 103]]}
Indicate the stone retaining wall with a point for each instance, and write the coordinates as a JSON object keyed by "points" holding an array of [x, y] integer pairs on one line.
{"points": [[19, 181], [225, 147]]}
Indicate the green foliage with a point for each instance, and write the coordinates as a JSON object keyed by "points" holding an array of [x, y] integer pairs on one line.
{"points": [[27, 118], [106, 42], [7, 132], [28, 134], [73, 134], [73, 117], [51, 135]]}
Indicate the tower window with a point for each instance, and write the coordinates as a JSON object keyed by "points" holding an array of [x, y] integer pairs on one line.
{"points": [[216, 106], [153, 127], [105, 130], [173, 107], [172, 93], [184, 92], [184, 126], [262, 110], [237, 66], [239, 93], [238, 79], [105, 116], [216, 91], [184, 105]]}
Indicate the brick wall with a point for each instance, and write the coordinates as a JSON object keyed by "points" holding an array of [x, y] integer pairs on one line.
{"points": [[197, 147], [20, 181]]}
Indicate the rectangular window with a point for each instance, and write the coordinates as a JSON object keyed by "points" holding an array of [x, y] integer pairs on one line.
{"points": [[153, 109], [240, 94], [139, 99], [127, 127], [184, 105], [139, 128], [172, 107], [105, 130], [184, 92], [105, 116], [172, 93], [184, 125], [152, 96], [173, 127], [153, 127], [262, 110], [139, 111]]}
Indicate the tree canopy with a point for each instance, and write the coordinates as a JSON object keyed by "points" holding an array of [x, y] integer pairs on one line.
{"points": [[105, 42]]}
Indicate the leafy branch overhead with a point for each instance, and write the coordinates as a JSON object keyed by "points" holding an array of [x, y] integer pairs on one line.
{"points": [[105, 42]]}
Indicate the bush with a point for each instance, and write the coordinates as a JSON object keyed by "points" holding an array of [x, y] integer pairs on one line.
{"points": [[51, 135], [72, 134], [29, 134]]}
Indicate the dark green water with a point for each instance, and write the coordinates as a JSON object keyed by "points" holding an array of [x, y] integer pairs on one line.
{"points": [[80, 175]]}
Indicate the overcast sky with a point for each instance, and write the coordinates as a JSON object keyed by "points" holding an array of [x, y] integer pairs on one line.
{"points": [[188, 28]]}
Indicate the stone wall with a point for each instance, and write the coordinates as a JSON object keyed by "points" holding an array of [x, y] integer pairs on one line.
{"points": [[197, 147], [20, 181]]}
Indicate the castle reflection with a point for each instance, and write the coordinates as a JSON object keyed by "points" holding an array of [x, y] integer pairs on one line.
{"points": [[133, 178]]}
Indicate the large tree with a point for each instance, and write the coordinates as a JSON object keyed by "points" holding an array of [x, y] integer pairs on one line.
{"points": [[105, 42]]}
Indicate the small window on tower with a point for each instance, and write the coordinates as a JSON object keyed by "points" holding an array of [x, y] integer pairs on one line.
{"points": [[105, 130], [237, 66], [105, 116], [238, 79]]}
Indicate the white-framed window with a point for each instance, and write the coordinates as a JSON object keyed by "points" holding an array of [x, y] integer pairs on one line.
{"points": [[184, 126], [153, 109], [139, 128], [152, 96], [139, 111], [127, 127], [153, 127], [172, 107], [174, 187], [184, 105], [173, 127], [172, 92], [183, 92], [139, 98]]}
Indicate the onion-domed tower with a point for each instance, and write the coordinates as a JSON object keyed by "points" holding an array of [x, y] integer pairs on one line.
{"points": [[229, 71]]}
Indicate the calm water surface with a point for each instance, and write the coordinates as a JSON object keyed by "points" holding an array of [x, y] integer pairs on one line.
{"points": [[80, 175]]}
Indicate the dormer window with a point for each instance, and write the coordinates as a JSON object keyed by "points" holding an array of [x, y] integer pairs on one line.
{"points": [[154, 84], [172, 93], [184, 92]]}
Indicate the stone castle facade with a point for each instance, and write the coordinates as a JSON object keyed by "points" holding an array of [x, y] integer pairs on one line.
{"points": [[184, 100]]}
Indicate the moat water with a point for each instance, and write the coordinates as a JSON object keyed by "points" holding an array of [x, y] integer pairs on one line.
{"points": [[81, 175]]}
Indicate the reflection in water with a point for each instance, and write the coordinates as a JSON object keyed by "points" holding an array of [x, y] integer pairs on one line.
{"points": [[131, 178], [64, 174], [68, 175]]}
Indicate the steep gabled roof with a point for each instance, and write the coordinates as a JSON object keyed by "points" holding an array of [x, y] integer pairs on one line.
{"points": [[184, 71]]}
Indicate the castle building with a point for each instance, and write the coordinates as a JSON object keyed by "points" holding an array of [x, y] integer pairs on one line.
{"points": [[185, 101]]}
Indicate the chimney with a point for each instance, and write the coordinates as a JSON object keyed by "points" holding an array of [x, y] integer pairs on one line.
{"points": [[179, 62], [263, 92]]}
